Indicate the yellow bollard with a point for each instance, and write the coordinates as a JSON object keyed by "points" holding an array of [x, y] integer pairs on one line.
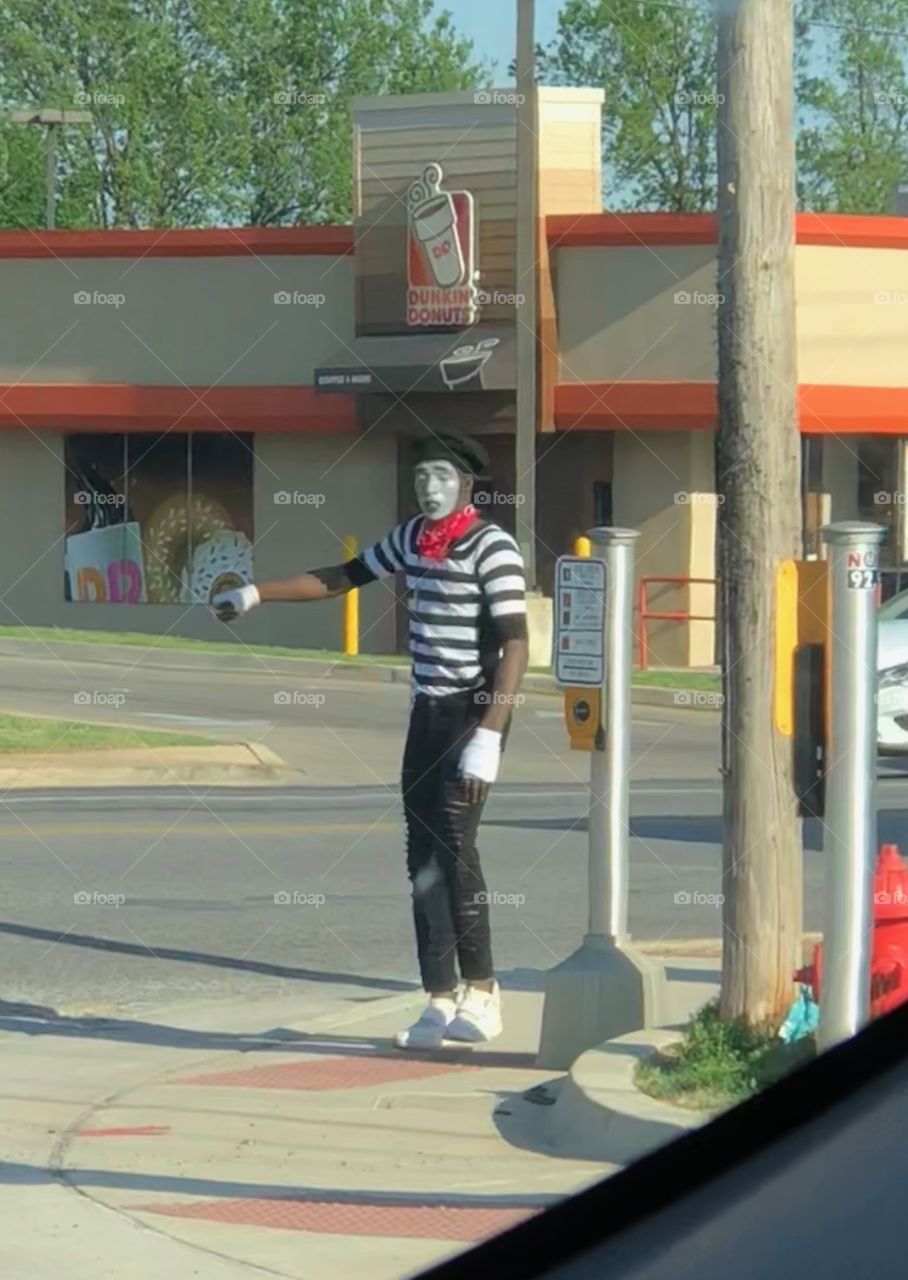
{"points": [[351, 606], [583, 547]]}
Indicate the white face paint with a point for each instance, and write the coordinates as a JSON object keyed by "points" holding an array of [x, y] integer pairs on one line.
{"points": [[437, 487]]}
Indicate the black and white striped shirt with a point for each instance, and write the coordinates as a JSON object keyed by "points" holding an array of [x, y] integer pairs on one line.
{"points": [[462, 608]]}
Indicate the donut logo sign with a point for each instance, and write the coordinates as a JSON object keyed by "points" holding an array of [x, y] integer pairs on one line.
{"points": [[441, 235]]}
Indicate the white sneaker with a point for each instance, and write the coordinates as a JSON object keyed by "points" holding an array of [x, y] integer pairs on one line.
{"points": [[430, 1028], [478, 1016]]}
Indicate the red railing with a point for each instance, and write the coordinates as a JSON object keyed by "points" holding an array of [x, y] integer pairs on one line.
{"points": [[645, 614]]}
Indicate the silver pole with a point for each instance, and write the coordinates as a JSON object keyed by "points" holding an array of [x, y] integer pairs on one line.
{"points": [[527, 252], [850, 839], [50, 143], [610, 768]]}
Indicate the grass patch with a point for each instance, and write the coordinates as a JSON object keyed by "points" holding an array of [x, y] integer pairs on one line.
{"points": [[40, 734], [701, 681], [718, 1064], [72, 635]]}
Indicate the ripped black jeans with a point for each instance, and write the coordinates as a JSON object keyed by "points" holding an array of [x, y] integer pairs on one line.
{"points": [[450, 902]]}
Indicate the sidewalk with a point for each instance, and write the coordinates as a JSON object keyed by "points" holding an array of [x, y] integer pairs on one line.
{"points": [[219, 1141]]}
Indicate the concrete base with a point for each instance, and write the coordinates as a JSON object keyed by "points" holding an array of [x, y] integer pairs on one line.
{"points": [[600, 992], [539, 626]]}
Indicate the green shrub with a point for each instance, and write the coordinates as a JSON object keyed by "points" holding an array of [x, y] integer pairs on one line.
{"points": [[718, 1063]]}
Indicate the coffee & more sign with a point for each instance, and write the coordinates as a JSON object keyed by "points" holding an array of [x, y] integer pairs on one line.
{"points": [[441, 250]]}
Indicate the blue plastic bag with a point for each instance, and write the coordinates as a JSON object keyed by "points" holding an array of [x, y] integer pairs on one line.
{"points": [[803, 1017]]}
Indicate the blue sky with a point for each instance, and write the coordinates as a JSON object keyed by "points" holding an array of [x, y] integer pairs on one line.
{"points": [[492, 26]]}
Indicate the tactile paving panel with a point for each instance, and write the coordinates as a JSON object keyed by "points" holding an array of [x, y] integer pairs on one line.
{"points": [[403, 1221]]}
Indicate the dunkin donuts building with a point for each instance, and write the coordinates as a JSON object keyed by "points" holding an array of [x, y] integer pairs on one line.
{"points": [[180, 409]]}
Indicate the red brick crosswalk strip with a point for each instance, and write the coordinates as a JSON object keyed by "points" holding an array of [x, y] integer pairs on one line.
{"points": [[411, 1222], [328, 1073]]}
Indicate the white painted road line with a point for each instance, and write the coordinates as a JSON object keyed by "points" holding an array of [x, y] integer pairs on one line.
{"points": [[203, 720]]}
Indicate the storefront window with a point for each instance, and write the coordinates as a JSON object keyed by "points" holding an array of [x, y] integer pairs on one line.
{"points": [[157, 519], [878, 490]]}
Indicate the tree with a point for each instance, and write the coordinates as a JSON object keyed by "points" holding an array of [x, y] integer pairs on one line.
{"points": [[22, 175], [656, 63], [758, 482], [216, 114], [853, 95]]}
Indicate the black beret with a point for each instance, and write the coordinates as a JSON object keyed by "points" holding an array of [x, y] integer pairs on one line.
{"points": [[467, 455]]}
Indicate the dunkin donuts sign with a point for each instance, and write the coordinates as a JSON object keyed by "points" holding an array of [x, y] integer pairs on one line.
{"points": [[441, 232]]}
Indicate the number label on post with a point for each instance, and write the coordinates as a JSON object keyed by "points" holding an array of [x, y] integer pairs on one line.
{"points": [[863, 579]]}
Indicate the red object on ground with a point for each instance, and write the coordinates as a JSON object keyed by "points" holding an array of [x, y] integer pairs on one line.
{"points": [[328, 1073], [889, 950], [414, 1221]]}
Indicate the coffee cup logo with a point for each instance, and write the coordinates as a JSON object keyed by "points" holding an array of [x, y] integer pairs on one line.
{"points": [[434, 223], [440, 253], [465, 363]]}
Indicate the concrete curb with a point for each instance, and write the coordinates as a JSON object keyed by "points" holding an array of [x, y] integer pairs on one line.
{"points": [[246, 764], [600, 1114]]}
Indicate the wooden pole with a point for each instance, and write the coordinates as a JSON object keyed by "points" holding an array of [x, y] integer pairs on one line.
{"points": [[758, 476]]}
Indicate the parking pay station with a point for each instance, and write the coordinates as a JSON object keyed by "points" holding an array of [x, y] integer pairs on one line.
{"points": [[605, 988]]}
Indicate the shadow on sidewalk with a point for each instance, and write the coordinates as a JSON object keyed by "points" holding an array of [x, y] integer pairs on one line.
{"points": [[41, 1020], [25, 1174], [202, 957]]}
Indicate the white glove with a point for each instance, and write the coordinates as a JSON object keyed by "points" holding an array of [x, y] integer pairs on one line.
{"points": [[482, 756], [236, 602]]}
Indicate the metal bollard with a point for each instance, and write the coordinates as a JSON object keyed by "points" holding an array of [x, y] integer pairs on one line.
{"points": [[351, 606]]}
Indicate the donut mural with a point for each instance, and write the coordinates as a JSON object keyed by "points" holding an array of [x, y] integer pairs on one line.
{"points": [[156, 519], [192, 549]]}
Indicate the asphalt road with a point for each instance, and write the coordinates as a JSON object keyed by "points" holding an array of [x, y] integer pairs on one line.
{"points": [[123, 901], [127, 901], [333, 730]]}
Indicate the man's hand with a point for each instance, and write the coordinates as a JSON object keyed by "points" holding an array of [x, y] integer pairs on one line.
{"points": [[232, 604], [479, 763]]}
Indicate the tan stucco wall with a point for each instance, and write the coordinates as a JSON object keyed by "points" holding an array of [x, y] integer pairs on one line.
{"points": [[359, 486], [676, 535], [852, 316], [196, 321], [618, 316]]}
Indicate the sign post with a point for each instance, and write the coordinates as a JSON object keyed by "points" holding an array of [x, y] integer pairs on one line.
{"points": [[850, 837], [605, 988]]}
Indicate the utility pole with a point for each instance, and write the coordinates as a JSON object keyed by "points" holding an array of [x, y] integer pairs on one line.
{"points": [[527, 256], [52, 119], [758, 483]]}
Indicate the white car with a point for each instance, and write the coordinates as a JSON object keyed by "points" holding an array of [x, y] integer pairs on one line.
{"points": [[892, 666]]}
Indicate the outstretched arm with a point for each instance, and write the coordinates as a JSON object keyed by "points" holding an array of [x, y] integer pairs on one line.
{"points": [[379, 561], [318, 584]]}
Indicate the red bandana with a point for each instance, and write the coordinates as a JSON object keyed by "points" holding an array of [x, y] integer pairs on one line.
{"points": [[436, 536]]}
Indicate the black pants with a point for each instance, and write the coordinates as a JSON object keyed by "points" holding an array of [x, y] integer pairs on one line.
{"points": [[450, 907]]}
